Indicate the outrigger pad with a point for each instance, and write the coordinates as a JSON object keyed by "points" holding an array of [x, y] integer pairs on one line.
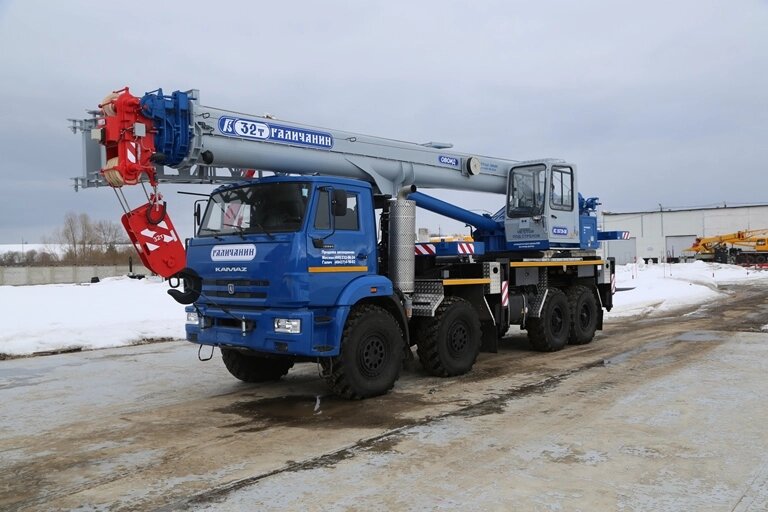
{"points": [[155, 239]]}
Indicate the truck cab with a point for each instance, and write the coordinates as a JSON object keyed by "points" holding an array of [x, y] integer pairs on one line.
{"points": [[279, 263]]}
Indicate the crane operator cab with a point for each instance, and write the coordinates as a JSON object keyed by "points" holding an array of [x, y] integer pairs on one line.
{"points": [[542, 210]]}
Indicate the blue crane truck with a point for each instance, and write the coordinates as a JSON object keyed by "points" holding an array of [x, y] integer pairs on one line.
{"points": [[307, 250]]}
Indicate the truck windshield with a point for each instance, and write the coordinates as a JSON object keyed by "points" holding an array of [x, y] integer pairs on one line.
{"points": [[259, 208], [526, 191]]}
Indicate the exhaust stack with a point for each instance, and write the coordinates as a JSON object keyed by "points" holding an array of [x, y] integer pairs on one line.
{"points": [[402, 238]]}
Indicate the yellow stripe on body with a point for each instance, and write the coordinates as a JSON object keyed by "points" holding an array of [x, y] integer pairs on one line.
{"points": [[479, 280], [337, 268], [563, 263]]}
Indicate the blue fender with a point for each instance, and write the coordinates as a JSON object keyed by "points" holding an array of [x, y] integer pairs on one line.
{"points": [[367, 286], [370, 285]]}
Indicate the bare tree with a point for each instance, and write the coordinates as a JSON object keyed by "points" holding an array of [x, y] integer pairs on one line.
{"points": [[51, 250], [10, 258], [68, 236], [87, 240], [84, 241], [109, 234]]}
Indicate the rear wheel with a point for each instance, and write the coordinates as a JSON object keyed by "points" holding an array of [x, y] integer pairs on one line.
{"points": [[582, 306], [370, 357], [551, 330], [449, 342], [253, 368]]}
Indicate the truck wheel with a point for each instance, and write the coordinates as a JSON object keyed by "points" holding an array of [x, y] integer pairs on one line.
{"points": [[449, 342], [550, 332], [253, 368], [371, 354], [583, 309]]}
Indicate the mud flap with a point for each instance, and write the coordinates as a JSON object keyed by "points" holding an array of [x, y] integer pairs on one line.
{"points": [[607, 283], [155, 239], [490, 338]]}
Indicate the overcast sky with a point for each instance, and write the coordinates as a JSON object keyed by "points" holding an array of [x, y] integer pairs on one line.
{"points": [[656, 102]]}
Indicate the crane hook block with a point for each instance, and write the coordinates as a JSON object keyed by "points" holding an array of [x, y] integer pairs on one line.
{"points": [[156, 240]]}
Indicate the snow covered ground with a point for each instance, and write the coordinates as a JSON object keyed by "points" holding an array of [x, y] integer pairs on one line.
{"points": [[117, 311], [660, 289], [122, 311]]}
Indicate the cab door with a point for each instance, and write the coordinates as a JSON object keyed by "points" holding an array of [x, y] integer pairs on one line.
{"points": [[525, 221], [562, 209], [340, 243]]}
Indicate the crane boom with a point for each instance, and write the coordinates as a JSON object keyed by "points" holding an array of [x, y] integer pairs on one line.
{"points": [[194, 139], [746, 237]]}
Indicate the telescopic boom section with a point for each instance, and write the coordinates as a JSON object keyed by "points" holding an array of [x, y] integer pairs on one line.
{"points": [[189, 134], [128, 138]]}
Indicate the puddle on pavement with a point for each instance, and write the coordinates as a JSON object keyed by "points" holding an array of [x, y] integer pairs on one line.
{"points": [[321, 411], [699, 336], [625, 356]]}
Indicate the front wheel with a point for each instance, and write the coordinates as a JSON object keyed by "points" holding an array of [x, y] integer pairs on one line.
{"points": [[253, 368], [551, 330], [370, 357]]}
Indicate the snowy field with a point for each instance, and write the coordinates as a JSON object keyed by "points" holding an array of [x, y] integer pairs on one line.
{"points": [[122, 311]]}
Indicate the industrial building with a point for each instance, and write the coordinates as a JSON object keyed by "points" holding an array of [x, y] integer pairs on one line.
{"points": [[664, 234]]}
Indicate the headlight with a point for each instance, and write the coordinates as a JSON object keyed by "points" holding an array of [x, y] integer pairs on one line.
{"points": [[288, 325], [192, 317]]}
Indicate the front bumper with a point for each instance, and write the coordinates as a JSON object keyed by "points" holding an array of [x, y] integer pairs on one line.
{"points": [[255, 330]]}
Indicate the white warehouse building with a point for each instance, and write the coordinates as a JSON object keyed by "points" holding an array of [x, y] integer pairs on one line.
{"points": [[664, 234]]}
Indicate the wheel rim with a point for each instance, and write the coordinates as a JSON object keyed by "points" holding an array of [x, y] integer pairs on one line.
{"points": [[585, 316], [372, 355], [458, 338], [557, 321]]}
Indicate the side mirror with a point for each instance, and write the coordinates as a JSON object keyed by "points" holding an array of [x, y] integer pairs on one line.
{"points": [[339, 203], [197, 214]]}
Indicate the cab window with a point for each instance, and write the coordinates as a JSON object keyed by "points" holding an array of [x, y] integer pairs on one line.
{"points": [[525, 197], [350, 221], [561, 191]]}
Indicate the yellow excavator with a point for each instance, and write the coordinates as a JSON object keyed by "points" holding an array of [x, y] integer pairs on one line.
{"points": [[749, 247]]}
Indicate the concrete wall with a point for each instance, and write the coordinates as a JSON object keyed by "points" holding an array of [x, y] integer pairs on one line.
{"points": [[20, 276]]}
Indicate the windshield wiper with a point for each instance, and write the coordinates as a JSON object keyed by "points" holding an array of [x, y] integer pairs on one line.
{"points": [[270, 235], [210, 232], [239, 229]]}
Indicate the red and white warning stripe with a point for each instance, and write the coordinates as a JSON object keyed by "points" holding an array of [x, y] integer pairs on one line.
{"points": [[613, 284], [162, 235], [130, 152], [424, 249], [505, 293], [625, 235], [466, 248]]}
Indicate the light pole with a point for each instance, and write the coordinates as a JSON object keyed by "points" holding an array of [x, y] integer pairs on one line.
{"points": [[663, 240]]}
